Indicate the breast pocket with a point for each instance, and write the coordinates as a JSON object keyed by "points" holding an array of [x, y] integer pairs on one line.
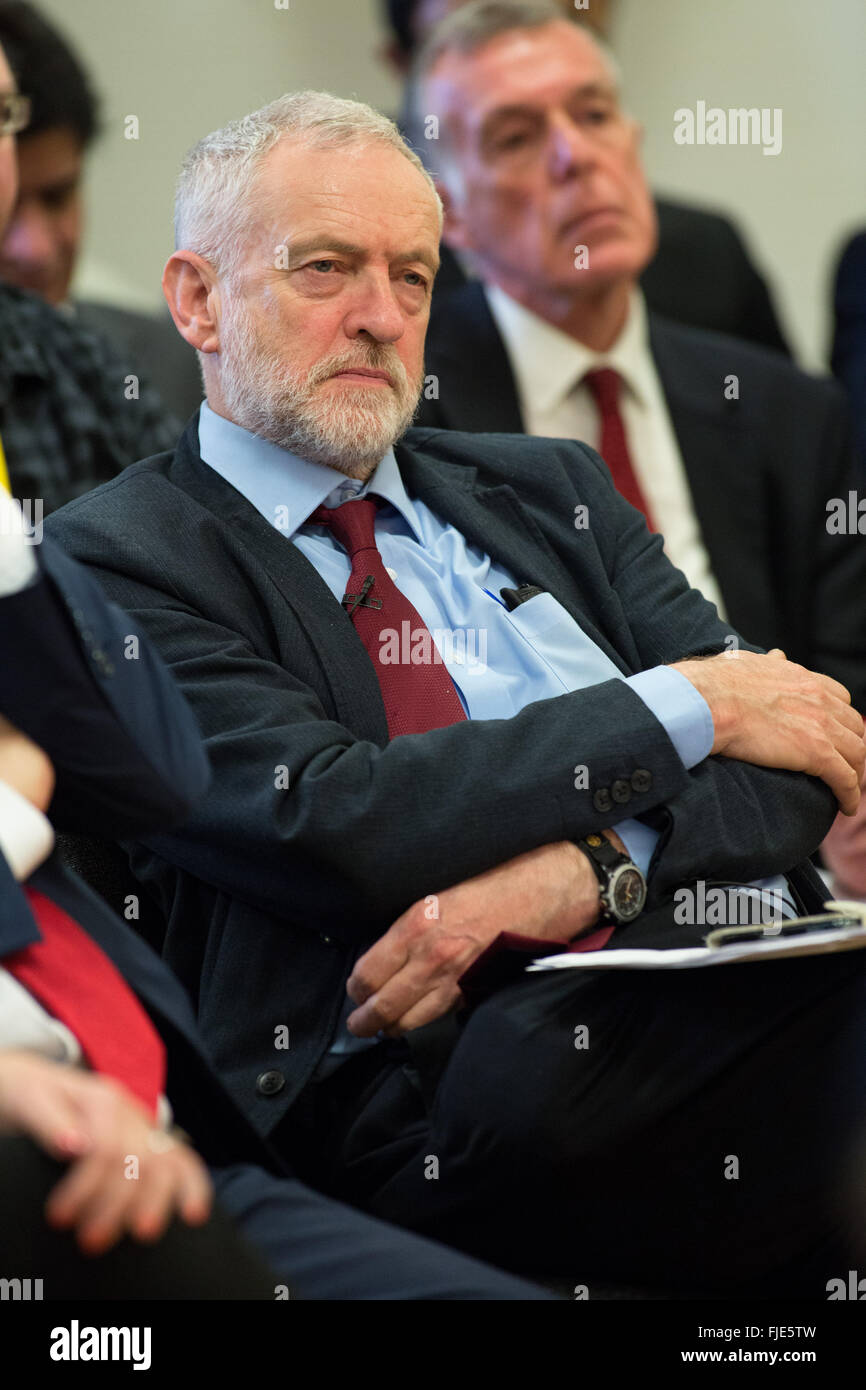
{"points": [[558, 640]]}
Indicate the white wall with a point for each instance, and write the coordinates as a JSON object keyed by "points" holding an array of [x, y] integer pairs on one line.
{"points": [[808, 59], [186, 66]]}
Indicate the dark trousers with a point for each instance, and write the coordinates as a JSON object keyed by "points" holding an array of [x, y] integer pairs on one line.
{"points": [[703, 1134], [268, 1238]]}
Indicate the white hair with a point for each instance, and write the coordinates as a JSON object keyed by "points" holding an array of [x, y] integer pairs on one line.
{"points": [[215, 203]]}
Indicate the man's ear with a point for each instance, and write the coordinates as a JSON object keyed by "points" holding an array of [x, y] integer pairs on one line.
{"points": [[454, 231], [189, 284]]}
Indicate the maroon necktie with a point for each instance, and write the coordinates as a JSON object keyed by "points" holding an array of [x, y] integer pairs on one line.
{"points": [[417, 690], [605, 383], [77, 983]]}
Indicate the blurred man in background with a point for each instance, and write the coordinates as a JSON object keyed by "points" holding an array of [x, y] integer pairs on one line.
{"points": [[730, 451], [701, 272]]}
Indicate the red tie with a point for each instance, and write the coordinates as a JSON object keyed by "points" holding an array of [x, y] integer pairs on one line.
{"points": [[80, 986], [605, 383], [417, 690]]}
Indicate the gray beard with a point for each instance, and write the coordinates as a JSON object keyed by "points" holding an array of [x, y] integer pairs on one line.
{"points": [[351, 435]]}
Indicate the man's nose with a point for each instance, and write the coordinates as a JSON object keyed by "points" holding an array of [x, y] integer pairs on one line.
{"points": [[571, 149], [375, 310], [28, 239]]}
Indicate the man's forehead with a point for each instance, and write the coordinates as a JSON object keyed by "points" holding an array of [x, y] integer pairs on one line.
{"points": [[341, 191], [519, 67]]}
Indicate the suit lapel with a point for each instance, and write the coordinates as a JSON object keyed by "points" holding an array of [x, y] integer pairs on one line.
{"points": [[724, 474], [482, 399], [346, 669], [144, 971]]}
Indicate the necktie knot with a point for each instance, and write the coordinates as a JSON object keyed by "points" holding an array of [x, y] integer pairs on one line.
{"points": [[353, 524], [605, 384]]}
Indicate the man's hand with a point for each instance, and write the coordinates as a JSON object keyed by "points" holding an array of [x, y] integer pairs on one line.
{"points": [[24, 766], [125, 1176], [844, 852], [410, 976], [770, 711]]}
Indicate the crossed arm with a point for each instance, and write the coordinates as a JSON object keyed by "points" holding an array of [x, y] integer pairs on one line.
{"points": [[766, 710]]}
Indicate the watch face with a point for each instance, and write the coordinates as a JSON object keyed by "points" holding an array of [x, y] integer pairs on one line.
{"points": [[627, 893]]}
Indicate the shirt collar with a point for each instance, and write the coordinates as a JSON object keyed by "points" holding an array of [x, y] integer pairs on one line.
{"points": [[548, 363], [285, 488]]}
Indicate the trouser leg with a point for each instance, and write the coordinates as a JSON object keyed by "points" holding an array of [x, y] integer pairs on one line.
{"points": [[695, 1134], [326, 1250]]}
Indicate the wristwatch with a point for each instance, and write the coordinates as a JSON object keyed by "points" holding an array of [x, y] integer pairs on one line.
{"points": [[623, 886]]}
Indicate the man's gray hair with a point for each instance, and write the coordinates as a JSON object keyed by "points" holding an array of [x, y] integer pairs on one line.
{"points": [[215, 202], [465, 30]]}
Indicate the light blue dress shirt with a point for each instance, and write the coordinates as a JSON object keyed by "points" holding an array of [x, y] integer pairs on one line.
{"points": [[499, 661]]}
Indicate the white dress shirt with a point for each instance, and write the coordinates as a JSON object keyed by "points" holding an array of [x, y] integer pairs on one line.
{"points": [[556, 403]]}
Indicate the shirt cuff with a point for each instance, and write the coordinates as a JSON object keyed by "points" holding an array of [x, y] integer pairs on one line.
{"points": [[17, 562], [680, 709], [640, 840], [26, 836]]}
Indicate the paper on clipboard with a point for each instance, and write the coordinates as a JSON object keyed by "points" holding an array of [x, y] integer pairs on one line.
{"points": [[850, 938]]}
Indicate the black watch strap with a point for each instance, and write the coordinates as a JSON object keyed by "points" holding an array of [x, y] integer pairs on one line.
{"points": [[603, 855]]}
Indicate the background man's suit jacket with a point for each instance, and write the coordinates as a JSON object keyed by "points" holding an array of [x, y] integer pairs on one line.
{"points": [[849, 336], [701, 275], [270, 892], [761, 470], [127, 757]]}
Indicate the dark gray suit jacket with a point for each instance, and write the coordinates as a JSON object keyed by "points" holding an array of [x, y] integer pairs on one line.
{"points": [[270, 892]]}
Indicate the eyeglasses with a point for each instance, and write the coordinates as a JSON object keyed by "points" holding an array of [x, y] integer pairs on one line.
{"points": [[14, 113]]}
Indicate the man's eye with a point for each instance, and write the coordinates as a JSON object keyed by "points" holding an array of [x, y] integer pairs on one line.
{"points": [[55, 198], [416, 278], [324, 265], [512, 139]]}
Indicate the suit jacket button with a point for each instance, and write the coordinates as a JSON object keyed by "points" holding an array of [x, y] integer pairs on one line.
{"points": [[270, 1082], [602, 800], [641, 780], [621, 790]]}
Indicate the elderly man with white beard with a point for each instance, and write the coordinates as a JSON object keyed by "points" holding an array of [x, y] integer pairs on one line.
{"points": [[373, 825]]}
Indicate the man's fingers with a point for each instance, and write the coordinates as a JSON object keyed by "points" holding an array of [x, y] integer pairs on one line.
{"points": [[853, 750], [154, 1204], [102, 1215], [848, 717], [378, 965], [69, 1199], [843, 781], [54, 1122], [438, 964], [381, 1010], [195, 1196], [438, 1002]]}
